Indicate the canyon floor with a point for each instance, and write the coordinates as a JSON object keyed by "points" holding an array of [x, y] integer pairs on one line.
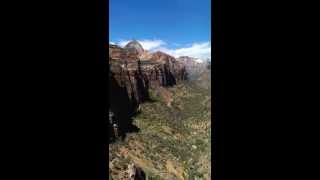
{"points": [[174, 138]]}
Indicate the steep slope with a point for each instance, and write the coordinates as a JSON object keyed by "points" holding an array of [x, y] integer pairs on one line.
{"points": [[173, 141], [136, 78], [171, 116]]}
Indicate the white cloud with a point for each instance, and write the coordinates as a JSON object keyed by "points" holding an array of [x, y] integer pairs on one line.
{"points": [[196, 50], [123, 43], [200, 50], [146, 44], [112, 43]]}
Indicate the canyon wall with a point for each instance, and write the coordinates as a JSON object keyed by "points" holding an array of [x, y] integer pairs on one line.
{"points": [[137, 75], [132, 73]]}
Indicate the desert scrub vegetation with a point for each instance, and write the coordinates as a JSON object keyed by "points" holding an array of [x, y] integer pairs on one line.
{"points": [[173, 142]]}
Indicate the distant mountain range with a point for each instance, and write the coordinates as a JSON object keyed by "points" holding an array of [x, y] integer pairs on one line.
{"points": [[134, 50]]}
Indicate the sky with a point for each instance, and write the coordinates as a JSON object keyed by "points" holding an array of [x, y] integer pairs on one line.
{"points": [[177, 27]]}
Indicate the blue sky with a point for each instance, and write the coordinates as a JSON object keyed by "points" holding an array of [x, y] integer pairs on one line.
{"points": [[178, 27]]}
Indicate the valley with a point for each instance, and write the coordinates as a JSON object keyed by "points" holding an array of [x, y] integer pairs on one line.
{"points": [[162, 115]]}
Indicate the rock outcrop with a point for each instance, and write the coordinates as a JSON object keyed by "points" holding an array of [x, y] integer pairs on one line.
{"points": [[135, 173], [121, 55], [137, 76], [135, 47], [131, 77], [194, 66]]}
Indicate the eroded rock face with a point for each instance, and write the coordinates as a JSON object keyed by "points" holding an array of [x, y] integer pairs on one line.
{"points": [[131, 78], [121, 54], [139, 75], [193, 65]]}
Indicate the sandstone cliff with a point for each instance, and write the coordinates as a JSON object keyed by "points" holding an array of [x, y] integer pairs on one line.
{"points": [[131, 77], [137, 76]]}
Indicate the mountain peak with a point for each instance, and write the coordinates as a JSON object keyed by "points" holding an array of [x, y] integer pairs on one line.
{"points": [[135, 46]]}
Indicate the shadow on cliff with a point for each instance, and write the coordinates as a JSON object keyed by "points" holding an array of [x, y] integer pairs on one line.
{"points": [[170, 79], [142, 87], [122, 107]]}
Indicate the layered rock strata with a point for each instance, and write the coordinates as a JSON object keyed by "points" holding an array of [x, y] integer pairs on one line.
{"points": [[131, 77], [138, 75]]}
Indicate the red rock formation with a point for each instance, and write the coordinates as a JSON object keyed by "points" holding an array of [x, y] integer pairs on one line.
{"points": [[131, 78], [120, 54], [162, 57], [138, 76], [145, 55]]}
